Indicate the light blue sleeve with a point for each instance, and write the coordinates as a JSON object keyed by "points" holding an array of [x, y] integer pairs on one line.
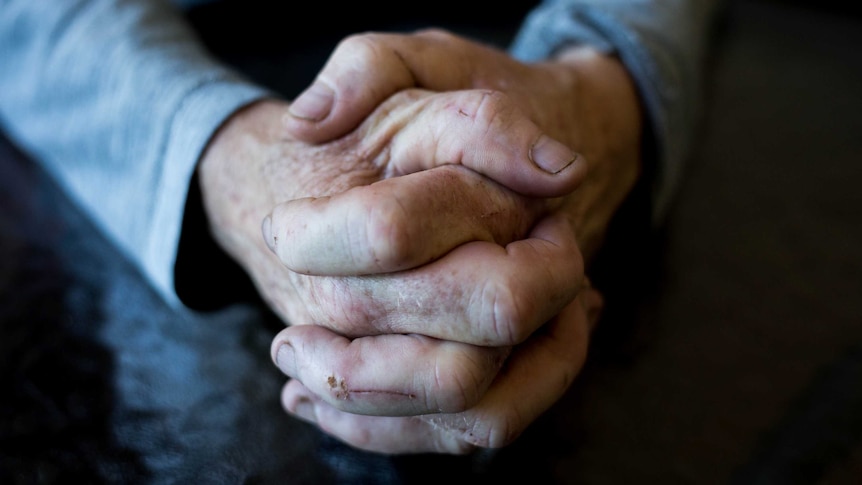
{"points": [[662, 43], [117, 99]]}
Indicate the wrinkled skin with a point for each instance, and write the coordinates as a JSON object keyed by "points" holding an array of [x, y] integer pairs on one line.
{"points": [[431, 272]]}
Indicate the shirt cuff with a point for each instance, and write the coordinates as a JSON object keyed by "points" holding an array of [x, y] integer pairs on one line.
{"points": [[201, 112]]}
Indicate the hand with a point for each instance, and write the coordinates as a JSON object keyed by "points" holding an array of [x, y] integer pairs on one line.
{"points": [[468, 306], [392, 208], [583, 98], [532, 379]]}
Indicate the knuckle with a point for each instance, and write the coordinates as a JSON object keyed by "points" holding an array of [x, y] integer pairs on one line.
{"points": [[336, 304], [363, 49], [458, 386], [360, 44], [505, 313], [387, 235], [487, 109], [482, 430], [320, 294], [491, 104], [495, 431], [436, 33]]}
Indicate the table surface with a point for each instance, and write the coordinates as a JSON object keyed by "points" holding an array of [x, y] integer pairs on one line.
{"points": [[740, 362]]}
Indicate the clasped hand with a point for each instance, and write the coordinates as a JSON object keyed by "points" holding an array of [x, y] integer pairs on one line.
{"points": [[418, 219]]}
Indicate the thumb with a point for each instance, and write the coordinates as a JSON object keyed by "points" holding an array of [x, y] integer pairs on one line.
{"points": [[365, 69], [360, 74]]}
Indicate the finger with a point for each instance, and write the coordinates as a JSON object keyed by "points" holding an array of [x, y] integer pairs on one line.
{"points": [[480, 293], [493, 137], [395, 224], [380, 434], [364, 70], [535, 376], [392, 375], [484, 130]]}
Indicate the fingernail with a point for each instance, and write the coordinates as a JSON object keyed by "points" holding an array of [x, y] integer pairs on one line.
{"points": [[304, 408], [285, 358], [266, 230], [314, 103], [551, 155]]}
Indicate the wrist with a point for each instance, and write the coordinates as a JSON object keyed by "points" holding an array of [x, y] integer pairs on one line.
{"points": [[611, 136], [204, 242], [232, 175]]}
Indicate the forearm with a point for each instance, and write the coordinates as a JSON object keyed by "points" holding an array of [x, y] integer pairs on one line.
{"points": [[117, 99], [662, 45]]}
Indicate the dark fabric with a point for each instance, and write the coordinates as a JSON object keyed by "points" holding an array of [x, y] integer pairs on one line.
{"points": [[732, 352]]}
